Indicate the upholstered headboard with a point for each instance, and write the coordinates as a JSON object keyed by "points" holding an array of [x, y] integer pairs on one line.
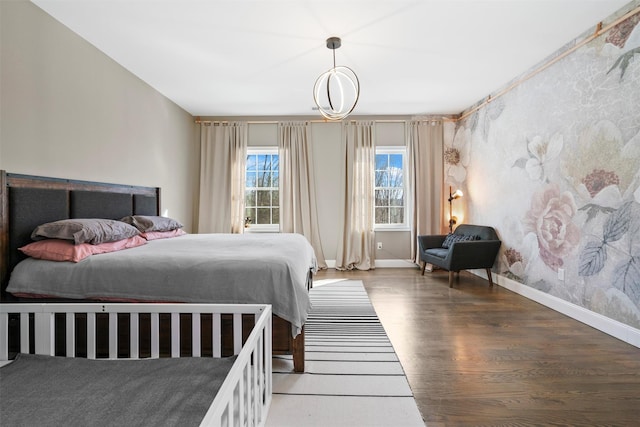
{"points": [[27, 201]]}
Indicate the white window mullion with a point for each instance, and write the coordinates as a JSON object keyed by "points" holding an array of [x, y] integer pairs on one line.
{"points": [[390, 181], [261, 188]]}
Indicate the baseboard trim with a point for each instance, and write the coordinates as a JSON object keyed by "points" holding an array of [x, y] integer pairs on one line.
{"points": [[395, 263], [382, 263], [602, 323]]}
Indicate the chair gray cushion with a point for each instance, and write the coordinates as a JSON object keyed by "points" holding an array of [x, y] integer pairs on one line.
{"points": [[439, 252]]}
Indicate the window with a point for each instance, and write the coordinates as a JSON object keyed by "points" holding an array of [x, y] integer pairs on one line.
{"points": [[262, 201], [390, 194]]}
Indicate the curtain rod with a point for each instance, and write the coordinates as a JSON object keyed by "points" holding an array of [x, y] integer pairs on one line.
{"points": [[209, 122], [597, 33]]}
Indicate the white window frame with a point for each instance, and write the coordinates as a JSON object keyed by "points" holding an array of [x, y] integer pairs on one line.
{"points": [[395, 149], [263, 228]]}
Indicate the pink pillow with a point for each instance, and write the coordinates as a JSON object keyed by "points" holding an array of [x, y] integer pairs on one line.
{"points": [[65, 250], [118, 245], [153, 235]]}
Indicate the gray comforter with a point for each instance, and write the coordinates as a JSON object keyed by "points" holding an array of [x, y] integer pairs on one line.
{"points": [[269, 268]]}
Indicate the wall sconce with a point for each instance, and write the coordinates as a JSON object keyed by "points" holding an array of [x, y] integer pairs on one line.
{"points": [[452, 197]]}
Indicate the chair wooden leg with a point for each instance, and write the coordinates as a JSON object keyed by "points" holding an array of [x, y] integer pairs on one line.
{"points": [[424, 265], [451, 279], [489, 276]]}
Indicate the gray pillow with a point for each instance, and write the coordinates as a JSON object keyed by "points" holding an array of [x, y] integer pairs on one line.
{"points": [[152, 223], [85, 230], [453, 238]]}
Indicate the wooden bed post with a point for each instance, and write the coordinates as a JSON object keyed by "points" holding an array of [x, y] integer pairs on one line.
{"points": [[298, 352]]}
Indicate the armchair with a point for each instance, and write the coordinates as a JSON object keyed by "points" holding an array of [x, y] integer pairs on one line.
{"points": [[468, 247]]}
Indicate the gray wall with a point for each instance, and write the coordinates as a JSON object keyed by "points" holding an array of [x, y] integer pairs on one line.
{"points": [[69, 111]]}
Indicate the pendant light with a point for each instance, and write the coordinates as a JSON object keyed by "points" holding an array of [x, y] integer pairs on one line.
{"points": [[337, 90]]}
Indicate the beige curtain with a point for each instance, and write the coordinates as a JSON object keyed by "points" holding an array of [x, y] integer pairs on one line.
{"points": [[298, 212], [426, 178], [356, 244], [223, 153]]}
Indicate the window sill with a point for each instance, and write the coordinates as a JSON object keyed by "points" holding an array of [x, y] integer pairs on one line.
{"points": [[256, 229], [390, 228]]}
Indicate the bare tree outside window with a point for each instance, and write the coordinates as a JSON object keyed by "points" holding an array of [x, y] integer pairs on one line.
{"points": [[261, 188], [389, 187]]}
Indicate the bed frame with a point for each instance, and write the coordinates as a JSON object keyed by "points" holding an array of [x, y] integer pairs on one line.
{"points": [[27, 201], [245, 395]]}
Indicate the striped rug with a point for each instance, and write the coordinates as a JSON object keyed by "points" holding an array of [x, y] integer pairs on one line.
{"points": [[352, 375]]}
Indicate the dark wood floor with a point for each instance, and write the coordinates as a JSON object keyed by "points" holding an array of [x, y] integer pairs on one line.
{"points": [[476, 355]]}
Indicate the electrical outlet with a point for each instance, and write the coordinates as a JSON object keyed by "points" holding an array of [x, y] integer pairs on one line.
{"points": [[561, 274], [379, 245]]}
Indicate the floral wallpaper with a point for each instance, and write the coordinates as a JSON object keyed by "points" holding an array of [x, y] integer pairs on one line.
{"points": [[554, 166]]}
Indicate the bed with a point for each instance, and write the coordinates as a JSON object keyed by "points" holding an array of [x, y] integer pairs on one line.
{"points": [[59, 377], [273, 269]]}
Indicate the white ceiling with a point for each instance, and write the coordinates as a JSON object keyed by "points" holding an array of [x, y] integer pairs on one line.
{"points": [[262, 57]]}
